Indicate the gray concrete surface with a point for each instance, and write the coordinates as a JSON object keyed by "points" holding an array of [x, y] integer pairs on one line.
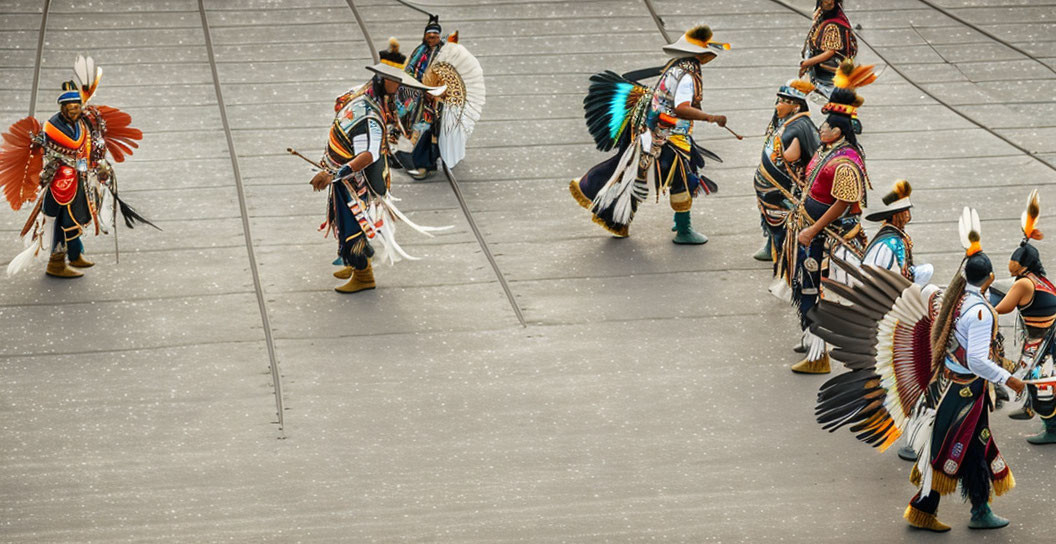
{"points": [[648, 399]]}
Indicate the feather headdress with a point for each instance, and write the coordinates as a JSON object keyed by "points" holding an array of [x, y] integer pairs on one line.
{"points": [[849, 77], [901, 190], [1029, 219], [895, 201], [696, 41], [796, 88], [970, 229], [88, 76]]}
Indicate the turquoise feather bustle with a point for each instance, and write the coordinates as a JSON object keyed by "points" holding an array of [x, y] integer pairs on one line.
{"points": [[610, 105]]}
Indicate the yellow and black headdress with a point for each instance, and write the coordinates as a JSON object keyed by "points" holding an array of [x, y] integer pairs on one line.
{"points": [[696, 41], [849, 77], [895, 201]]}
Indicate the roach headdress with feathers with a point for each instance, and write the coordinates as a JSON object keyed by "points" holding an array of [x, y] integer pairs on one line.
{"points": [[1026, 254], [696, 41], [895, 201]]}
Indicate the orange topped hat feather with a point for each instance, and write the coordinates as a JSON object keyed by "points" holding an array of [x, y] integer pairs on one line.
{"points": [[849, 76], [1029, 219], [901, 190], [970, 228]]}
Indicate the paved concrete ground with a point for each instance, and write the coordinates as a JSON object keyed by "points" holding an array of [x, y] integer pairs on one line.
{"points": [[648, 398]]}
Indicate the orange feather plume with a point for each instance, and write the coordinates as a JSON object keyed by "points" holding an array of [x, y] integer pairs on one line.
{"points": [[120, 138], [20, 162], [1029, 219], [849, 76]]}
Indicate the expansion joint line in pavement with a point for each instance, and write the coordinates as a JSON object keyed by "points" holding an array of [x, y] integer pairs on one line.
{"points": [[988, 34], [40, 57], [483, 244], [930, 94], [261, 303], [458, 195]]}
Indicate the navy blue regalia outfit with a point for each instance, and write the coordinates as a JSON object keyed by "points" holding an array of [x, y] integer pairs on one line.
{"points": [[359, 127], [651, 141], [65, 165], [776, 179]]}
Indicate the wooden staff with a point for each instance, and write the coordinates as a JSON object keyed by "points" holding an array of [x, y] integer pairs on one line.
{"points": [[296, 153], [739, 137]]}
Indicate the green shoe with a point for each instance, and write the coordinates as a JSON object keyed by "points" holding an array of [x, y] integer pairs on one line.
{"points": [[984, 518], [684, 233], [1047, 436], [765, 253]]}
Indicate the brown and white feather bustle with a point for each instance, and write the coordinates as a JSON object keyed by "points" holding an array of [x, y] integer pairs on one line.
{"points": [[882, 334]]}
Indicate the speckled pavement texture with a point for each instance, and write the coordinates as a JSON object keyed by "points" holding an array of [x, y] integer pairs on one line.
{"points": [[648, 396]]}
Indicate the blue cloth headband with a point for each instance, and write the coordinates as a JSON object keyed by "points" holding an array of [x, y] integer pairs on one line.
{"points": [[70, 96]]}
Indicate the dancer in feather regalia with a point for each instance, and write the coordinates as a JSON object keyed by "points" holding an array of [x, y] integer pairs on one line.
{"points": [[829, 42], [828, 220], [653, 130], [902, 342], [355, 169], [790, 142], [63, 166], [892, 248], [1035, 298], [438, 128]]}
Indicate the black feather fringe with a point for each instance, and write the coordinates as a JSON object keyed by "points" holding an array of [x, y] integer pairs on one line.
{"points": [[131, 216]]}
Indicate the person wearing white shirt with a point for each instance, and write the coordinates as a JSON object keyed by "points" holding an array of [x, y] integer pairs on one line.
{"points": [[961, 449]]}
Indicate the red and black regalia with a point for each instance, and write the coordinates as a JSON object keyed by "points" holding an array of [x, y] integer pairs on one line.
{"points": [[903, 343], [1039, 323], [835, 175], [830, 31]]}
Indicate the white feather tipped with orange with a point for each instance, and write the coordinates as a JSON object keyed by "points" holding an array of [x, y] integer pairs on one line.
{"points": [[1029, 219], [970, 230]]}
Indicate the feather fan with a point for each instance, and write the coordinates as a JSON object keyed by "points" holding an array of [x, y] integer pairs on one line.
{"points": [[463, 100], [883, 335]]}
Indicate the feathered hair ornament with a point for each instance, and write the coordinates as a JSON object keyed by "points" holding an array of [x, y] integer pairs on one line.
{"points": [[701, 35], [802, 86], [901, 190], [849, 77], [970, 229], [88, 76], [1029, 219]]}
